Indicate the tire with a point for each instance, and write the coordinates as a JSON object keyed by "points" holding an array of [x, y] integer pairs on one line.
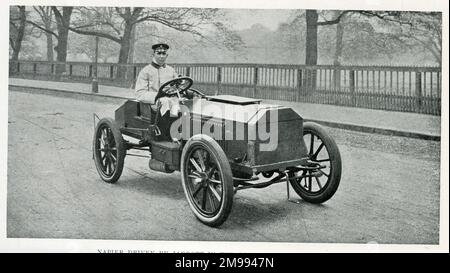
{"points": [[109, 150], [207, 183], [325, 188]]}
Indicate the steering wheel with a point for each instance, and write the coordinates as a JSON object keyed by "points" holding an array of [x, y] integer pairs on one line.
{"points": [[175, 86]]}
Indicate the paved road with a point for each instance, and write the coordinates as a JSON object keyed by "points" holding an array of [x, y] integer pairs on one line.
{"points": [[389, 191]]}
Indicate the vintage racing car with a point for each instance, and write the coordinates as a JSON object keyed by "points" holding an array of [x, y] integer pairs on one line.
{"points": [[225, 148]]}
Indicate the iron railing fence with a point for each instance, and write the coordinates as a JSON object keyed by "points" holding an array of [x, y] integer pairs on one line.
{"points": [[395, 88]]}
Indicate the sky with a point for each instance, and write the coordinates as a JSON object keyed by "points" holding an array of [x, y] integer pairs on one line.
{"points": [[245, 18]]}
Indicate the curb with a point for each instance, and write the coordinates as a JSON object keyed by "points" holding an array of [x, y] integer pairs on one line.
{"points": [[375, 130], [66, 93], [110, 98]]}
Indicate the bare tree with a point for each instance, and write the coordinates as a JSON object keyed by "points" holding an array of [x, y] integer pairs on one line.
{"points": [[85, 45], [62, 25], [424, 29], [312, 24], [18, 23], [339, 43], [431, 43], [46, 15], [117, 24], [311, 37], [132, 44], [62, 17], [338, 52]]}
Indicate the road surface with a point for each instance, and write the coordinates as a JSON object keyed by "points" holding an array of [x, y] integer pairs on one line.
{"points": [[389, 190]]}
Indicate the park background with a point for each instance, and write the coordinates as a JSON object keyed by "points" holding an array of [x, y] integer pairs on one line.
{"points": [[388, 60], [275, 36]]}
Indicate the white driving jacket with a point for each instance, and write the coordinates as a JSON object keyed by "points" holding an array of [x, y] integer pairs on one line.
{"points": [[148, 82]]}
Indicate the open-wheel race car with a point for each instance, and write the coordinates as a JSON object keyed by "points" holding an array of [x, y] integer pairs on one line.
{"points": [[221, 146]]}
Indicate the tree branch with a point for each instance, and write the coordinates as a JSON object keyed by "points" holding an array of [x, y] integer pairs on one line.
{"points": [[95, 33], [120, 13], [56, 12], [46, 15], [137, 12], [11, 41], [384, 16], [14, 25], [113, 27], [42, 28], [88, 25], [39, 10], [435, 51], [185, 27], [128, 12], [336, 20]]}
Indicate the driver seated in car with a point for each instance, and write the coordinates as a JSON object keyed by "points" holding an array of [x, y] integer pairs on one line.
{"points": [[148, 82], [153, 76]]}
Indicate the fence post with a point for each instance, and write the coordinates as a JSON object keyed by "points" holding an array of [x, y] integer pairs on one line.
{"points": [[188, 71], [60, 69], [134, 73], [418, 92], [111, 71], [299, 84], [70, 69], [34, 68], [255, 81], [18, 67], [352, 87], [90, 71], [11, 68], [219, 79], [337, 79]]}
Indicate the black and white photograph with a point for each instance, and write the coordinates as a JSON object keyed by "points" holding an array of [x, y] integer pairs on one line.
{"points": [[222, 126]]}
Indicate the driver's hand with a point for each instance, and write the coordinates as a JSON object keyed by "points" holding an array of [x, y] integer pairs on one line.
{"points": [[190, 94]]}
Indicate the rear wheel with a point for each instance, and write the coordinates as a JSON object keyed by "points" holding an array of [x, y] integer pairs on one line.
{"points": [[109, 150], [322, 184], [207, 180]]}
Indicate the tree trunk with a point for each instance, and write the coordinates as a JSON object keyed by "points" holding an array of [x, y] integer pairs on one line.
{"points": [[338, 49], [49, 48], [20, 33], [338, 55], [46, 15], [62, 23], [49, 42], [124, 50], [309, 81], [61, 49], [311, 37], [132, 45]]}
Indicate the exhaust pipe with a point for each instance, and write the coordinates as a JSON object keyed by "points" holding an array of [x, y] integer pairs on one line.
{"points": [[159, 166]]}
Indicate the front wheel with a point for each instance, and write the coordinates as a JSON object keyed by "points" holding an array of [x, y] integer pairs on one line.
{"points": [[207, 180], [320, 185], [109, 150]]}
